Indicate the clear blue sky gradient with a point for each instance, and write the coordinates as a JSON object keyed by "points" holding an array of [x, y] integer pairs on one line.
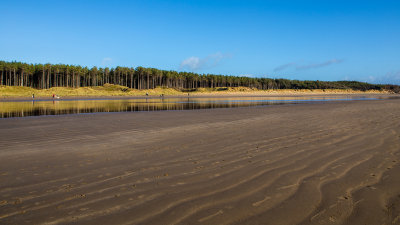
{"points": [[306, 40]]}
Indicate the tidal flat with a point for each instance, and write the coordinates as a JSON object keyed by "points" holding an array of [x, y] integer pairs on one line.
{"points": [[335, 162]]}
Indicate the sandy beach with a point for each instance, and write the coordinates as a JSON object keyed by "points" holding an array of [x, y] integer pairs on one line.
{"points": [[325, 163]]}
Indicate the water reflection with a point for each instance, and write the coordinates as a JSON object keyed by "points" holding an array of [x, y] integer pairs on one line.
{"points": [[59, 107]]}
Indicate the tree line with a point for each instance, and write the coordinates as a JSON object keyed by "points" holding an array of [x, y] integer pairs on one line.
{"points": [[44, 76]]}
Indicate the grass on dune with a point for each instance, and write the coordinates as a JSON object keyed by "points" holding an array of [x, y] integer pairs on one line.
{"points": [[117, 90], [106, 90]]}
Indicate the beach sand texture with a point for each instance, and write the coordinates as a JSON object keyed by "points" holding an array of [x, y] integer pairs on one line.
{"points": [[329, 163]]}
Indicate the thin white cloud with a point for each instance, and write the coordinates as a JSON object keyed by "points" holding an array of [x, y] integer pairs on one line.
{"points": [[284, 66], [392, 77], [298, 66], [195, 63], [192, 63], [318, 65], [246, 75], [106, 61]]}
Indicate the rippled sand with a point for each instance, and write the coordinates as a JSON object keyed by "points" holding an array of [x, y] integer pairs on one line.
{"points": [[330, 163]]}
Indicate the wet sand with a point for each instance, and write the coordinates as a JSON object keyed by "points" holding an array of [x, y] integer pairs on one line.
{"points": [[326, 163], [222, 94]]}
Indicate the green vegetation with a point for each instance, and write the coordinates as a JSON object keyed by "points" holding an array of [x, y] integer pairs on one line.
{"points": [[47, 76]]}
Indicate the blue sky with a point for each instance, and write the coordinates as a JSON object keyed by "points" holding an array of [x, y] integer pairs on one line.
{"points": [[306, 40]]}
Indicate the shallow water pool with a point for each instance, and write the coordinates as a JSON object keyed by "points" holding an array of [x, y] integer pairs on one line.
{"points": [[59, 107]]}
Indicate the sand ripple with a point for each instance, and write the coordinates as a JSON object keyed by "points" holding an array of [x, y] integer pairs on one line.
{"points": [[332, 163]]}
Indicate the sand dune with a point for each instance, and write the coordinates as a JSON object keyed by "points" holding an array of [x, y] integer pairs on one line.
{"points": [[329, 163]]}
